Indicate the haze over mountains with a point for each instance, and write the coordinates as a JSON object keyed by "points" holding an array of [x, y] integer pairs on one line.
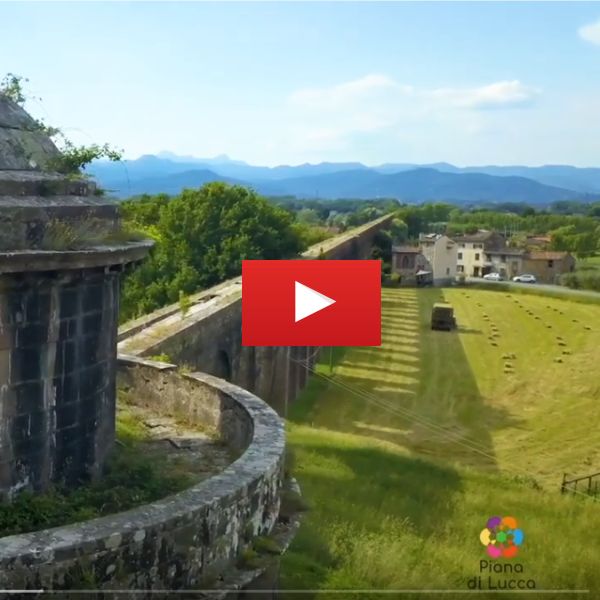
{"points": [[169, 173]]}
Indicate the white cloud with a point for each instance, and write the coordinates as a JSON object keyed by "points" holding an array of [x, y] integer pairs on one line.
{"points": [[590, 32], [349, 92], [332, 118], [502, 94]]}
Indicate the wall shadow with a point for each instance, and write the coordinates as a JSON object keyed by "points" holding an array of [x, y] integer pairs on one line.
{"points": [[417, 390]]}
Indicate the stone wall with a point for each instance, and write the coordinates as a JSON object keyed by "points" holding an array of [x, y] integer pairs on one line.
{"points": [[57, 394], [209, 336], [190, 540]]}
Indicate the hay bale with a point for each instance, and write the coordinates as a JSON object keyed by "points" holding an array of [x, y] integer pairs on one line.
{"points": [[508, 365], [548, 326], [562, 343], [558, 359], [494, 344], [566, 352]]}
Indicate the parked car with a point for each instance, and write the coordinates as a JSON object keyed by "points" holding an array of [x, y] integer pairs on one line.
{"points": [[525, 278], [493, 277]]}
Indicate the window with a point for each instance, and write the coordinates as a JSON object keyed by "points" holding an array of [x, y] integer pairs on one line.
{"points": [[447, 270], [477, 255], [405, 262], [460, 269], [460, 256], [503, 258], [550, 264]]}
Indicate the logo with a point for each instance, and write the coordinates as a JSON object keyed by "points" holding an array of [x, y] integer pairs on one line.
{"points": [[311, 303], [501, 537]]}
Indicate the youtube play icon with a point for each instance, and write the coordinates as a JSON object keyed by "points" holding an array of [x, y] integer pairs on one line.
{"points": [[311, 303]]}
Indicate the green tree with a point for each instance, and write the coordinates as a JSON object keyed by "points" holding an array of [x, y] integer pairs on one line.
{"points": [[398, 231], [202, 236]]}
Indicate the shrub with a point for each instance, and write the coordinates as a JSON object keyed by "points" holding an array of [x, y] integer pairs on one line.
{"points": [[582, 280]]}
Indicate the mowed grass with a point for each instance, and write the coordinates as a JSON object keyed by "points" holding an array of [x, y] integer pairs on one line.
{"points": [[407, 449]]}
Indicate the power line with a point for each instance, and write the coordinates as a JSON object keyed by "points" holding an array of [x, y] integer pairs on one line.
{"points": [[433, 427]]}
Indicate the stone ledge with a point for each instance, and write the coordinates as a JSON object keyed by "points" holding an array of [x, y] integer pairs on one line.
{"points": [[48, 260]]}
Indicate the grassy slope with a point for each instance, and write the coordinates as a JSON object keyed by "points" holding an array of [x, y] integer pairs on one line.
{"points": [[397, 502]]}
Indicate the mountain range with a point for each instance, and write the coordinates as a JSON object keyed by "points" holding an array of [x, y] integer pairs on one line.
{"points": [[170, 173]]}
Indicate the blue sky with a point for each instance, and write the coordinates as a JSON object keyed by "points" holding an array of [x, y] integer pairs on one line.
{"points": [[273, 83]]}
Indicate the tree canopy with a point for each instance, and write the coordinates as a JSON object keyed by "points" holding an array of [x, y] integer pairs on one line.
{"points": [[201, 238]]}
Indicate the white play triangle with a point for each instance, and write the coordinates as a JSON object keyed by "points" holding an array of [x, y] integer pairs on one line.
{"points": [[308, 301]]}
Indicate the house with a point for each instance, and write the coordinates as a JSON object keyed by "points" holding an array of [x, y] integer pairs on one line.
{"points": [[506, 261], [471, 249], [441, 254], [411, 265], [548, 266]]}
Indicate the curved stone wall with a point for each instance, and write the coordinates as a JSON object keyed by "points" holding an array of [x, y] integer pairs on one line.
{"points": [[188, 540]]}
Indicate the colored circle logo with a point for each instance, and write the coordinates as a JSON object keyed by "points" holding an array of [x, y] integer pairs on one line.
{"points": [[501, 537]]}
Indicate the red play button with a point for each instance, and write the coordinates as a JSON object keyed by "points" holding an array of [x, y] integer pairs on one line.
{"points": [[311, 303]]}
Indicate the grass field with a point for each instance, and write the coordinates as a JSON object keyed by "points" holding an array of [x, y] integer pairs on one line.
{"points": [[407, 449]]}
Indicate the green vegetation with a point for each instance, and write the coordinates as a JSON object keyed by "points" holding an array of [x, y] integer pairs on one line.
{"points": [[201, 238], [337, 215], [586, 276], [89, 232], [407, 451], [72, 158], [132, 478]]}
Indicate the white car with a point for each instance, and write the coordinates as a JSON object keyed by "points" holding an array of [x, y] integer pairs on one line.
{"points": [[525, 278], [493, 277]]}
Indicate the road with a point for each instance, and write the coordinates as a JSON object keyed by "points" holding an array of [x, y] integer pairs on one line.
{"points": [[555, 289]]}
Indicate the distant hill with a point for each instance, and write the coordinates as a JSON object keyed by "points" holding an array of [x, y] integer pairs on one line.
{"points": [[422, 185], [169, 173]]}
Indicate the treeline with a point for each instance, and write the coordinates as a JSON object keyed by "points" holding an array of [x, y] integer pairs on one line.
{"points": [[576, 233], [337, 215]]}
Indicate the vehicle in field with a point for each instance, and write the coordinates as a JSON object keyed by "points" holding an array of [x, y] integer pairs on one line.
{"points": [[442, 317], [493, 277], [525, 278]]}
